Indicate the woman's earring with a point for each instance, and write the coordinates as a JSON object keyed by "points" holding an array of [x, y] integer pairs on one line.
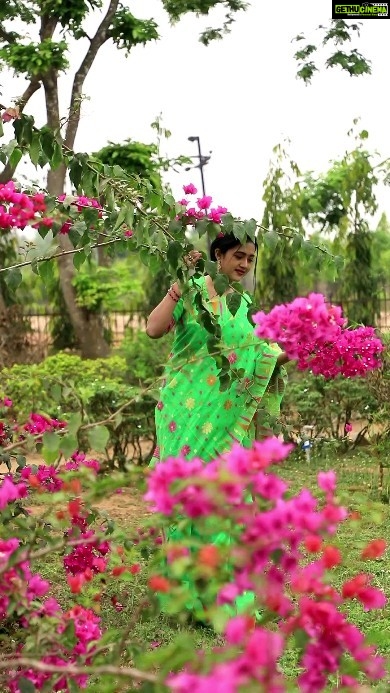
{"points": [[219, 265]]}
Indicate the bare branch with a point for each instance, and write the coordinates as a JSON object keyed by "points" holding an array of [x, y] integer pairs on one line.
{"points": [[100, 37], [74, 670], [7, 36], [34, 85], [63, 252]]}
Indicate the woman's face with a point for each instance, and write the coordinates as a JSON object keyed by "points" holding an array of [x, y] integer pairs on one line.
{"points": [[237, 262]]}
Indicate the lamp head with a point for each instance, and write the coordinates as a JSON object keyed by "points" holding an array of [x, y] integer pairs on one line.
{"points": [[193, 138]]}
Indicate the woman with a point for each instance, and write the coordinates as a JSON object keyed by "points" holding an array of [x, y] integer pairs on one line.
{"points": [[193, 417]]}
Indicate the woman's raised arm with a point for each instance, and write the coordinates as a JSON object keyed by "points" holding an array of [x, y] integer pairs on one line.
{"points": [[160, 319]]}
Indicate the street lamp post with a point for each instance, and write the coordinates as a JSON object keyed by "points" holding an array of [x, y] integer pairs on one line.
{"points": [[203, 160]]}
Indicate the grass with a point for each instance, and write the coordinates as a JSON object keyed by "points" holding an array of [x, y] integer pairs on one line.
{"points": [[358, 490]]}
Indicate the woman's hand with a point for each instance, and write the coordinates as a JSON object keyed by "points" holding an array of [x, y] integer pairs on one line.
{"points": [[192, 258], [282, 359]]}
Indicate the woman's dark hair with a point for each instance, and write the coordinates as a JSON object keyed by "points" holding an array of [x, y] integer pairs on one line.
{"points": [[227, 242]]}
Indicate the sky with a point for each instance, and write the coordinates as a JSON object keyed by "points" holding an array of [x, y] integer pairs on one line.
{"points": [[240, 96]]}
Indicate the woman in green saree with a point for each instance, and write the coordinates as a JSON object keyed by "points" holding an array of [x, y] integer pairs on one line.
{"points": [[194, 418]]}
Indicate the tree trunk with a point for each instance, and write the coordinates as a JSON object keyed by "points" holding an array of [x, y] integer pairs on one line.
{"points": [[87, 325]]}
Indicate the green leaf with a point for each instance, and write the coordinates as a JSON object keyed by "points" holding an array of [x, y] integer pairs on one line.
{"points": [[57, 157], [69, 445], [121, 217], [210, 268], [74, 422], [201, 227], [271, 239], [47, 142], [51, 441], [98, 438], [15, 157], [20, 461], [221, 283], [56, 392], [239, 231], [227, 222], [35, 149], [46, 271], [13, 278], [25, 685], [250, 228], [1, 128], [233, 302], [174, 252], [79, 259]]}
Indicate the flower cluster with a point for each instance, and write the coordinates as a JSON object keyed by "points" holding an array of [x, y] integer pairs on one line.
{"points": [[80, 202], [45, 477], [87, 632], [87, 558], [203, 209], [271, 538], [314, 334], [353, 354], [79, 459], [18, 210], [38, 424], [257, 661], [18, 582]]}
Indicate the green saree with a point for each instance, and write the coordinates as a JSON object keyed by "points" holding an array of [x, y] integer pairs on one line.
{"points": [[193, 417]]}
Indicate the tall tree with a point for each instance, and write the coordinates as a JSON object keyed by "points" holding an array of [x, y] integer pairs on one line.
{"points": [[277, 275], [341, 202], [43, 59]]}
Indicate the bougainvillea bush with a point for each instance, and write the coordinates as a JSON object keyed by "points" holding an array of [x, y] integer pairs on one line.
{"points": [[281, 554]]}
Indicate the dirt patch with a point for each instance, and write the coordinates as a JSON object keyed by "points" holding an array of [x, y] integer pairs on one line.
{"points": [[126, 507]]}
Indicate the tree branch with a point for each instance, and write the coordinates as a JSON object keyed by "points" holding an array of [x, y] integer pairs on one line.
{"points": [[75, 670], [7, 36], [100, 37], [72, 251], [35, 84]]}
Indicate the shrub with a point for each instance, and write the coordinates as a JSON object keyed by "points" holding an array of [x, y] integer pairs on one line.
{"points": [[328, 405], [96, 389]]}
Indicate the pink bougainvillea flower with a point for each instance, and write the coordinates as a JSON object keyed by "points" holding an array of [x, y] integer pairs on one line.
{"points": [[327, 481], [204, 202], [10, 114], [10, 492], [375, 549], [7, 402], [190, 189], [129, 233], [348, 427]]}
